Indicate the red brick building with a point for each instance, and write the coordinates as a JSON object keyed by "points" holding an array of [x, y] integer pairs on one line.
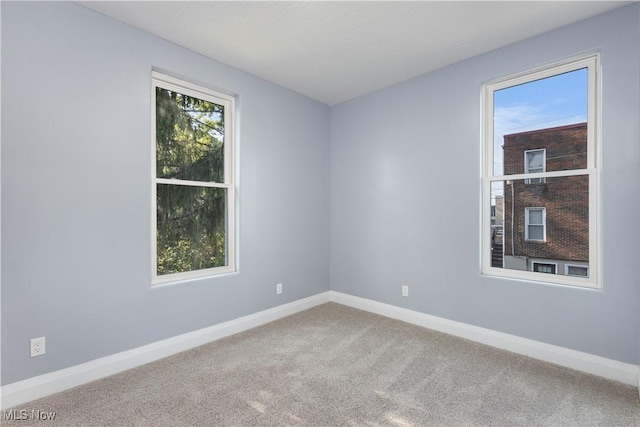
{"points": [[546, 220]]}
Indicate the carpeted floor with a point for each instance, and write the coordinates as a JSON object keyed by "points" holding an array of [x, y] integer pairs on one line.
{"points": [[337, 366]]}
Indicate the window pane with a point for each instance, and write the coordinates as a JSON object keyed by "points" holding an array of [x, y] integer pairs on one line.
{"points": [[535, 216], [191, 228], [536, 232], [189, 138], [497, 223], [544, 268], [550, 113], [535, 161], [566, 203], [577, 271]]}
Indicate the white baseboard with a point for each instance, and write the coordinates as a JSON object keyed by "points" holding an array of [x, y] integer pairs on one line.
{"points": [[607, 368], [43, 385]]}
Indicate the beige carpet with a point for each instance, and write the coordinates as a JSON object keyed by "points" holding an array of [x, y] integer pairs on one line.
{"points": [[337, 366]]}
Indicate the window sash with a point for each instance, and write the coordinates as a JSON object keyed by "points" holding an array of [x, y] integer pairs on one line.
{"points": [[530, 156], [590, 63]]}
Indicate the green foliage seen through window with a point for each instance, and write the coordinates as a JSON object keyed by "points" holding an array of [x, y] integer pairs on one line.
{"points": [[191, 223]]}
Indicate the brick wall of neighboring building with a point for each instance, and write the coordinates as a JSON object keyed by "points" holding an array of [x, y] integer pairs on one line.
{"points": [[566, 199]]}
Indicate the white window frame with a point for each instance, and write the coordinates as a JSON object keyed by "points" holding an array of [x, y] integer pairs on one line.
{"points": [[533, 267], [527, 224], [526, 166], [592, 63], [567, 266], [228, 102]]}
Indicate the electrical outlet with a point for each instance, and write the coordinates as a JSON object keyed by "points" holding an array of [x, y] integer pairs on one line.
{"points": [[278, 288], [405, 291], [37, 347]]}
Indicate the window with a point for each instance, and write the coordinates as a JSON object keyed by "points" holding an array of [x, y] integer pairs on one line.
{"points": [[540, 175], [534, 162], [576, 270], [541, 267], [535, 220], [193, 191]]}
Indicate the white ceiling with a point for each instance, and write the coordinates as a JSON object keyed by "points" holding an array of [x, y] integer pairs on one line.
{"points": [[335, 51]]}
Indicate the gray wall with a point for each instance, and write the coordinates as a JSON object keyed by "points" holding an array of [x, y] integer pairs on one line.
{"points": [[405, 197], [76, 185]]}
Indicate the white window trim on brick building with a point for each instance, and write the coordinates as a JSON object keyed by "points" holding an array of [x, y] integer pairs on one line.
{"points": [[527, 153], [592, 64], [529, 224]]}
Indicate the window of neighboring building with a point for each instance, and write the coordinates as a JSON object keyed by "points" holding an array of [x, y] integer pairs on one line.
{"points": [[576, 270], [542, 267], [193, 191], [534, 162], [535, 224], [540, 174]]}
